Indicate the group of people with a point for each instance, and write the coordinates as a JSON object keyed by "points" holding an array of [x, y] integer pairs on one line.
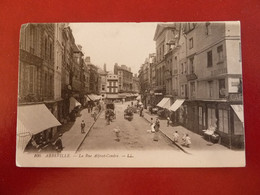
{"points": [[38, 144], [186, 140], [155, 126]]}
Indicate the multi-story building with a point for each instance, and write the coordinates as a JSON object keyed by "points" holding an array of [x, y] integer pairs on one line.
{"points": [[86, 77], [215, 80], [103, 82], [36, 81], [136, 84], [58, 56], [112, 86], [164, 34], [125, 78], [78, 74], [94, 79], [199, 64]]}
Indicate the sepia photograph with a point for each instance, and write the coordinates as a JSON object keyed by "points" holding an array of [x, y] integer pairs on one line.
{"points": [[149, 94]]}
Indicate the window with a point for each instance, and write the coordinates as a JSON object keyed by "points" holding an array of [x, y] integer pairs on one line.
{"points": [[186, 90], [31, 79], [191, 65], [182, 68], [103, 87], [50, 51], [210, 88], [220, 53], [192, 89], [209, 58], [191, 43], [211, 117], [200, 116], [223, 120], [222, 87], [182, 90]]}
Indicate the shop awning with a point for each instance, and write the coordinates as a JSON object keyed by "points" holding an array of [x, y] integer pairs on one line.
{"points": [[87, 98], [112, 96], [91, 97], [73, 103], [176, 105], [122, 95], [239, 110], [162, 102], [34, 119], [167, 104]]}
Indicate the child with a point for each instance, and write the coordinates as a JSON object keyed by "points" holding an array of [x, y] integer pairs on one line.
{"points": [[175, 136], [152, 126], [187, 141]]}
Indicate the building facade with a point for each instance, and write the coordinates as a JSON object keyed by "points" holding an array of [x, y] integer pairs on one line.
{"points": [[37, 71], [200, 64], [125, 78]]}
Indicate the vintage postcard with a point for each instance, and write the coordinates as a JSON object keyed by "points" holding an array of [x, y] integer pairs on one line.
{"points": [[130, 95]]}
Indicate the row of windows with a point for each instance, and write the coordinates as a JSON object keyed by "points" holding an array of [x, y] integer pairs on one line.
{"points": [[192, 89]]}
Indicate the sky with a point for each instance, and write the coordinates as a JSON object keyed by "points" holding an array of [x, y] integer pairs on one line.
{"points": [[123, 43]]}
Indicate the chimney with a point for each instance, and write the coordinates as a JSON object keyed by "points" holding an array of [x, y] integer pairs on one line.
{"points": [[105, 67]]}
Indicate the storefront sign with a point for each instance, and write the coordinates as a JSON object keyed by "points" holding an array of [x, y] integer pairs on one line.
{"points": [[218, 71], [233, 85], [235, 97]]}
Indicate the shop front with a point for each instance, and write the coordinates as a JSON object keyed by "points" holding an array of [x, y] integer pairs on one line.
{"points": [[176, 112], [34, 120]]}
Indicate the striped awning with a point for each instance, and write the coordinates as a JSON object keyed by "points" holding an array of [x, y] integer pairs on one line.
{"points": [[176, 104], [33, 119], [163, 102]]}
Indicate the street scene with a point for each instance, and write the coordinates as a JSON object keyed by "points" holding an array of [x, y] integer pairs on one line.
{"points": [[164, 87]]}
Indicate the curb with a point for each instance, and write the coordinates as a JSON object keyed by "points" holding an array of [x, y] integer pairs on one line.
{"points": [[80, 144], [181, 148]]}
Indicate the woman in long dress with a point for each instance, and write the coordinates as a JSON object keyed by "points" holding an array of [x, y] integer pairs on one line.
{"points": [[156, 128]]}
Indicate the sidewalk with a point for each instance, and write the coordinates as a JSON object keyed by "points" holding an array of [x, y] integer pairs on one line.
{"points": [[73, 138], [197, 141]]}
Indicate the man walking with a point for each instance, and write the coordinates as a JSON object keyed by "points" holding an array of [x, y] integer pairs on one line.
{"points": [[83, 126]]}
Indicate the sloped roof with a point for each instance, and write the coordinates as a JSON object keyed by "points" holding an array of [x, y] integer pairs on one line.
{"points": [[161, 27]]}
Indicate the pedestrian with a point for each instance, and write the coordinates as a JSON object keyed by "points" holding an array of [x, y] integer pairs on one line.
{"points": [[89, 106], [175, 136], [117, 131], [95, 112], [156, 128], [187, 141], [152, 126], [82, 126], [141, 111], [168, 121]]}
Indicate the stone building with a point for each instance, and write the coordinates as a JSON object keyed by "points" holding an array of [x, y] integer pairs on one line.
{"points": [[198, 76], [36, 82], [125, 78]]}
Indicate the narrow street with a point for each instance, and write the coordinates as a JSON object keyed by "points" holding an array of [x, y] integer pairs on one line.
{"points": [[133, 134]]}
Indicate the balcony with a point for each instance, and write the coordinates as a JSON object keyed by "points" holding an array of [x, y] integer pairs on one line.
{"points": [[191, 76]]}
